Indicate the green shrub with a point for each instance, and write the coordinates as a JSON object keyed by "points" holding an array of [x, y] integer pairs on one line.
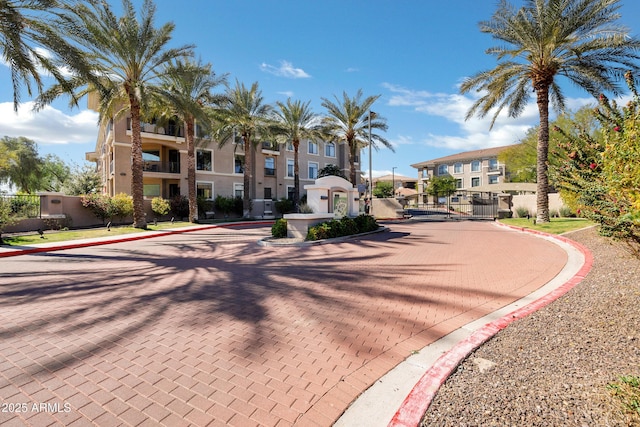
{"points": [[180, 206], [304, 208], [160, 206], [284, 206], [343, 227], [279, 229], [566, 212], [522, 212], [100, 204], [122, 206]]}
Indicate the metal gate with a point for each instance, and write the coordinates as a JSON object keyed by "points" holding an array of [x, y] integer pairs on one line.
{"points": [[457, 205]]}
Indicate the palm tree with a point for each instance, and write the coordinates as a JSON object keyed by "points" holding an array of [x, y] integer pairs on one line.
{"points": [[128, 55], [545, 39], [349, 121], [296, 121], [242, 112], [28, 38], [185, 91]]}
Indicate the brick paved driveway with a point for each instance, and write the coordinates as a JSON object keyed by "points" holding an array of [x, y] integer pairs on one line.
{"points": [[208, 328]]}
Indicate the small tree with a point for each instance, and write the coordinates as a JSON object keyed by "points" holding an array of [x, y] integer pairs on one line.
{"points": [[100, 204], [331, 170], [122, 205], [441, 185], [383, 189]]}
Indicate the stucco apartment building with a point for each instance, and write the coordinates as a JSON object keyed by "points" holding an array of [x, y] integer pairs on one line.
{"points": [[478, 169], [219, 170]]}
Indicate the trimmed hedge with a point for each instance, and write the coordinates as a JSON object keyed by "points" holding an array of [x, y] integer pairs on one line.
{"points": [[343, 227]]}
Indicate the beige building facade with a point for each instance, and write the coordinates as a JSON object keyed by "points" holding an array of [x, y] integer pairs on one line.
{"points": [[471, 169], [219, 170]]}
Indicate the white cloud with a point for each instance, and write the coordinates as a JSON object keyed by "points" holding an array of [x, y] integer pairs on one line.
{"points": [[352, 70], [476, 132], [287, 93], [286, 69], [48, 126]]}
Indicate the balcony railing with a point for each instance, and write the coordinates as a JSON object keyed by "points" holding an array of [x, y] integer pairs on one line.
{"points": [[169, 130], [170, 167]]}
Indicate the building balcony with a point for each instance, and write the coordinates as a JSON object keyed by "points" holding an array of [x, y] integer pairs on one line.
{"points": [[170, 167]]}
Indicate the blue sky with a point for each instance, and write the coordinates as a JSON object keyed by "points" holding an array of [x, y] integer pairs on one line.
{"points": [[414, 53]]}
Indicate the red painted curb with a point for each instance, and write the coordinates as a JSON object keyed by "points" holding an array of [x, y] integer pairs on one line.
{"points": [[417, 402], [131, 238]]}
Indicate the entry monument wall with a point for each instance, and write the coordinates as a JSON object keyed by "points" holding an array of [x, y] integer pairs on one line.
{"points": [[330, 197]]}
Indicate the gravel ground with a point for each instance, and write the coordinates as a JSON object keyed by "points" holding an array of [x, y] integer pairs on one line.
{"points": [[552, 367]]}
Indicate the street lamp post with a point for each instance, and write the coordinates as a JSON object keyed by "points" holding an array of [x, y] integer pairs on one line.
{"points": [[371, 115], [393, 181]]}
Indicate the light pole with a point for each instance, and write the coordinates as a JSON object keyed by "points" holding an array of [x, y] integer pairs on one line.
{"points": [[393, 181], [371, 115]]}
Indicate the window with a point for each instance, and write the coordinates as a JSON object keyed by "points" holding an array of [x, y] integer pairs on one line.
{"points": [[313, 147], [493, 164], [267, 193], [290, 146], [494, 179], [459, 183], [475, 166], [203, 160], [290, 171], [204, 190], [457, 168], [151, 190], [238, 166], [313, 170], [291, 190], [238, 189], [330, 149], [151, 155], [269, 166], [443, 170], [475, 182]]}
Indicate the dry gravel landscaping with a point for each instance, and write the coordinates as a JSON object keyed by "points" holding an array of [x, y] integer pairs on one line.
{"points": [[560, 366]]}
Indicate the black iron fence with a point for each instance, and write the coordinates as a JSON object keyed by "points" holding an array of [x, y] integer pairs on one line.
{"points": [[22, 206], [456, 205]]}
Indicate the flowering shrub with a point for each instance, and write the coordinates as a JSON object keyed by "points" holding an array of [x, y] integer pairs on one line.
{"points": [[602, 170], [100, 204], [160, 206]]}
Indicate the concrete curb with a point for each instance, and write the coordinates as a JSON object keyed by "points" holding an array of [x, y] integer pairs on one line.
{"points": [[11, 251], [417, 402]]}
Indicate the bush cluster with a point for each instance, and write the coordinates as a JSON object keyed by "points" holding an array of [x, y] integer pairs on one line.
{"points": [[107, 207], [342, 227], [279, 229]]}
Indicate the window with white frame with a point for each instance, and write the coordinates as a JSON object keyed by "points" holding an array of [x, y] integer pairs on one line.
{"points": [[290, 146], [494, 179], [493, 164], [238, 163], [204, 190], [475, 166], [443, 169], [204, 160], [457, 168], [290, 168], [269, 166], [475, 181], [459, 183], [238, 189], [330, 149], [313, 147], [313, 170]]}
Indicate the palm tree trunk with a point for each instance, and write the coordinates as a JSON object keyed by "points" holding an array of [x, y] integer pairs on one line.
{"points": [[248, 165], [352, 162], [296, 177], [137, 186], [542, 191], [191, 170]]}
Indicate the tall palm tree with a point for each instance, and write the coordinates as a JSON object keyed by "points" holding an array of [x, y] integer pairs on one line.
{"points": [[242, 112], [128, 55], [295, 121], [348, 121], [185, 91], [541, 41], [31, 43]]}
